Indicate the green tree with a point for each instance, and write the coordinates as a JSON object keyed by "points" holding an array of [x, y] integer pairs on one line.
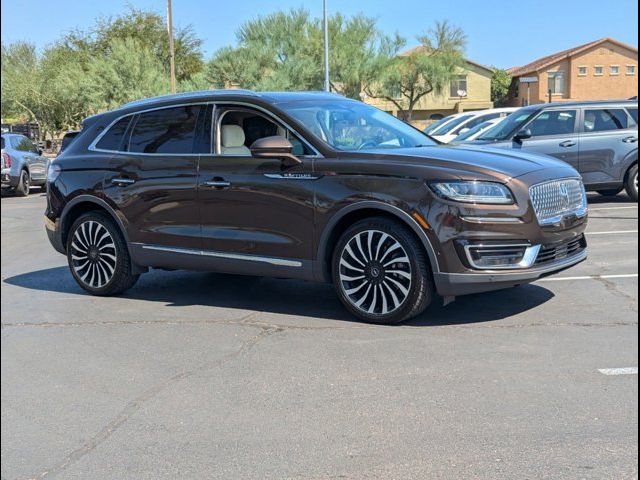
{"points": [[500, 85], [422, 70], [284, 51]]}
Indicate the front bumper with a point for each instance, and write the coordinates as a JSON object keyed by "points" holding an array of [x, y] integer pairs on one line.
{"points": [[455, 284]]}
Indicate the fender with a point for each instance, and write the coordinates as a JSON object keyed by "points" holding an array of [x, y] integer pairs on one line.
{"points": [[629, 160], [99, 202], [400, 214]]}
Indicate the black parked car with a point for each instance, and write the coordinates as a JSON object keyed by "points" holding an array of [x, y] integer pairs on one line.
{"points": [[310, 186]]}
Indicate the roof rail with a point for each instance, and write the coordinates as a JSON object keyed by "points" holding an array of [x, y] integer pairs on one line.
{"points": [[188, 95]]}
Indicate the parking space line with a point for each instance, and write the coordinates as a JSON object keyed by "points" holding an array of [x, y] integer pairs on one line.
{"points": [[612, 208], [613, 232], [619, 371], [589, 277]]}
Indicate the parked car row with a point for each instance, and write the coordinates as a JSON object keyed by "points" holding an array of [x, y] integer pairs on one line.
{"points": [[598, 139]]}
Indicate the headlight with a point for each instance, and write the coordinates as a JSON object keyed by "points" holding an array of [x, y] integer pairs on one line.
{"points": [[52, 172], [474, 192]]}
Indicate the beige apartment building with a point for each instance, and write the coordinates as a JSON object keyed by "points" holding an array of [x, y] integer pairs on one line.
{"points": [[601, 70], [474, 80]]}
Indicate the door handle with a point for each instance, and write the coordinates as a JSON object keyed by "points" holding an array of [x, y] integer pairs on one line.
{"points": [[121, 182], [218, 183], [630, 139], [567, 144]]}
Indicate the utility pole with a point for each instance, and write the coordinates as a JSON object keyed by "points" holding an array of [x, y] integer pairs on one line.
{"points": [[327, 83], [172, 53]]}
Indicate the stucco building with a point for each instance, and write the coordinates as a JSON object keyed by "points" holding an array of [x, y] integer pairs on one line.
{"points": [[604, 69]]}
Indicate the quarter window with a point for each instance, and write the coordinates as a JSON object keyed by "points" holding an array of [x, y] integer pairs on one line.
{"points": [[556, 82], [554, 122], [167, 131], [605, 119], [112, 140], [634, 114], [458, 85]]}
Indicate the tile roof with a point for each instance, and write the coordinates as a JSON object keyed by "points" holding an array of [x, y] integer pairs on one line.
{"points": [[540, 63], [420, 47]]}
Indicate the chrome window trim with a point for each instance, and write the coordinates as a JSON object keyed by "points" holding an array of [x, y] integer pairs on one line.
{"points": [[277, 120], [280, 262], [92, 147]]}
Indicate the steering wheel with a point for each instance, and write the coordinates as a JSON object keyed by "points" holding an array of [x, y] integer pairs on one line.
{"points": [[367, 144]]}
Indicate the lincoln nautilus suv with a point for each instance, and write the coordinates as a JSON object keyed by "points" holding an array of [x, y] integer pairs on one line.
{"points": [[308, 186]]}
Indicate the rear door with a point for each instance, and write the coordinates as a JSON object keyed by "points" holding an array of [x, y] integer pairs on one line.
{"points": [[152, 177], [554, 132], [609, 136]]}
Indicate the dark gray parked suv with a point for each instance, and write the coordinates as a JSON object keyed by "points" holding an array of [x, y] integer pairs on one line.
{"points": [[599, 139]]}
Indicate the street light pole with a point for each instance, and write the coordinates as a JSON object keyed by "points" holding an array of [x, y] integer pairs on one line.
{"points": [[172, 53], [327, 84]]}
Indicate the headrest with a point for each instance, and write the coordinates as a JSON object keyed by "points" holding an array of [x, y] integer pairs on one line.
{"points": [[232, 136]]}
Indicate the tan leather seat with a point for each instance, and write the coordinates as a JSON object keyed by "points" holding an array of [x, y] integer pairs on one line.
{"points": [[233, 141]]}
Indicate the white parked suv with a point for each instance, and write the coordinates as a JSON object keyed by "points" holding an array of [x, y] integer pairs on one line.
{"points": [[465, 121]]}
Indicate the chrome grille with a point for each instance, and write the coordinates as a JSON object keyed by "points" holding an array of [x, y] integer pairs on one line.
{"points": [[554, 200]]}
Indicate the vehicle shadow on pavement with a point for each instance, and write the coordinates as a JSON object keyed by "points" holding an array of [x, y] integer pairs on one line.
{"points": [[288, 297]]}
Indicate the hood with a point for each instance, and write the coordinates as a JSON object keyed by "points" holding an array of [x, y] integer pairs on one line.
{"points": [[503, 163]]}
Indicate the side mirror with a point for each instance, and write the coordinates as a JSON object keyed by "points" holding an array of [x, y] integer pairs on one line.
{"points": [[40, 152], [522, 135], [276, 147]]}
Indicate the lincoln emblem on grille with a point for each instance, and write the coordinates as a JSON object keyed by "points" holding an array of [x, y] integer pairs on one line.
{"points": [[564, 193]]}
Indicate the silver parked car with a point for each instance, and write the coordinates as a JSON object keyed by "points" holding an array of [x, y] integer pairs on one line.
{"points": [[599, 139], [23, 164]]}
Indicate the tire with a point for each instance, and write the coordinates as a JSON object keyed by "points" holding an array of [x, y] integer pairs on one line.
{"points": [[383, 259], [24, 182], [610, 193], [631, 183], [98, 256]]}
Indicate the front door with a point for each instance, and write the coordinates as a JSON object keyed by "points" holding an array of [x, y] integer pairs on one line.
{"points": [[253, 209], [554, 132], [152, 177]]}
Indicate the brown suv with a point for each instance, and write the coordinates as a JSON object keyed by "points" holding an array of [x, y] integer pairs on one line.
{"points": [[310, 186]]}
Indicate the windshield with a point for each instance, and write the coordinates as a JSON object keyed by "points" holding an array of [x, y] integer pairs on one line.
{"points": [[473, 131], [446, 128], [351, 125], [507, 127]]}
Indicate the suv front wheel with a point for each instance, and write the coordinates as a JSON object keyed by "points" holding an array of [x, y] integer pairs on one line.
{"points": [[98, 256], [381, 272]]}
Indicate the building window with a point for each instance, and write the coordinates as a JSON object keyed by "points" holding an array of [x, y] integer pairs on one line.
{"points": [[631, 69], [598, 70], [614, 70], [458, 86], [556, 83], [582, 71]]}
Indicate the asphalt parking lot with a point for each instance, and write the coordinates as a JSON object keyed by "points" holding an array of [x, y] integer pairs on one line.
{"points": [[196, 375]]}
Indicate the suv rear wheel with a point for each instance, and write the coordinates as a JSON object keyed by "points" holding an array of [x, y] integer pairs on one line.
{"points": [[98, 256], [631, 185], [381, 272]]}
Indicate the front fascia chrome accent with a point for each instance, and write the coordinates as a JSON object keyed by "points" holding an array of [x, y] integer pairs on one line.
{"points": [[528, 259], [280, 262], [513, 220], [292, 176]]}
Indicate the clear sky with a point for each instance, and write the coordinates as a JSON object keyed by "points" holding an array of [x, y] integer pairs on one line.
{"points": [[501, 33]]}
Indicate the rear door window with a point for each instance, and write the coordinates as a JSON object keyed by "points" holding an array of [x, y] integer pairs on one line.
{"points": [[554, 122], [23, 144], [166, 131], [605, 119], [113, 139]]}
